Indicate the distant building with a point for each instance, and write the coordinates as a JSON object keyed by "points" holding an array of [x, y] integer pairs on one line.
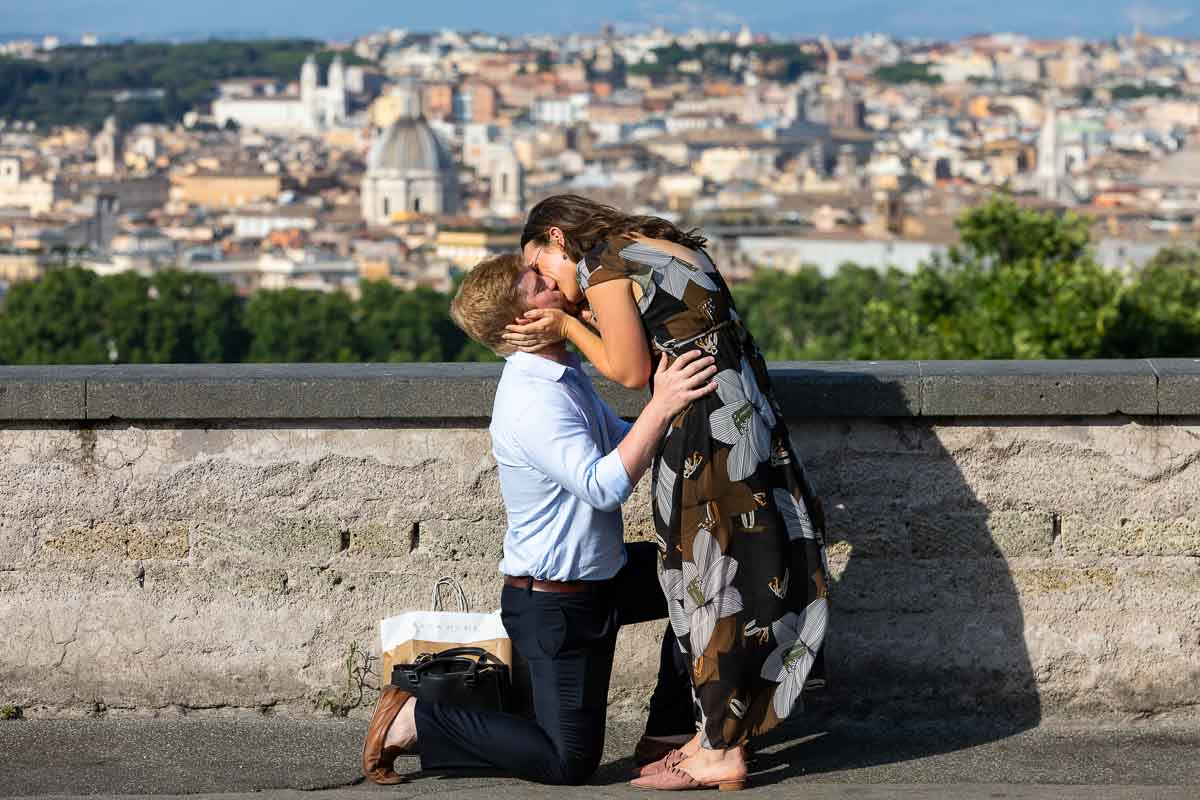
{"points": [[109, 153], [466, 247], [225, 191], [315, 108], [828, 253], [35, 195], [508, 183], [475, 101], [409, 169], [1051, 166]]}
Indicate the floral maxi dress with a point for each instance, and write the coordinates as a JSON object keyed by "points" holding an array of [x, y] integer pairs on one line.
{"points": [[740, 531]]}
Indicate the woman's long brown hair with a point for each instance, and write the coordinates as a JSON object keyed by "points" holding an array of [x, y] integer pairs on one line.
{"points": [[586, 223]]}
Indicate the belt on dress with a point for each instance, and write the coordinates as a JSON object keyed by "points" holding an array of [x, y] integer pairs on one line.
{"points": [[557, 587], [674, 347]]}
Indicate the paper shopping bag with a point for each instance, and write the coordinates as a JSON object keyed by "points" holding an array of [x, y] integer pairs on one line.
{"points": [[406, 637]]}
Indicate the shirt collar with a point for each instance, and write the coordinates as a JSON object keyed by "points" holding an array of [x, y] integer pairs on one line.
{"points": [[541, 367]]}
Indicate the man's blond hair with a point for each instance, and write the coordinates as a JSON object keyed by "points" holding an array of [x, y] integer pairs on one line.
{"points": [[487, 300]]}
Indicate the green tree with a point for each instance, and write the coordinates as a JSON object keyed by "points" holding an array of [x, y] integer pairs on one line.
{"points": [[292, 325], [395, 325], [1159, 310], [57, 320], [127, 317], [805, 316], [907, 72], [1023, 285], [1001, 232]]}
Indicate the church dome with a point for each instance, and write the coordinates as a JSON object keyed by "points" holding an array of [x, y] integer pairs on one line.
{"points": [[409, 145]]}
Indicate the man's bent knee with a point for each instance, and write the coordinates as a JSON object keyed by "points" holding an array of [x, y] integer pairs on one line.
{"points": [[575, 770]]}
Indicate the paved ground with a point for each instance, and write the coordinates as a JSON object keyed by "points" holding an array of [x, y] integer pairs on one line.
{"points": [[278, 758]]}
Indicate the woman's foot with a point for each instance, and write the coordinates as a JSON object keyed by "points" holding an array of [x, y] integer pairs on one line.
{"points": [[716, 767], [703, 769], [670, 759], [650, 749]]}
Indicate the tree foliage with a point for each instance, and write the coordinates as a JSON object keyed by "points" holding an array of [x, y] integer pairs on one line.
{"points": [[907, 72], [77, 85], [72, 316], [1023, 284]]}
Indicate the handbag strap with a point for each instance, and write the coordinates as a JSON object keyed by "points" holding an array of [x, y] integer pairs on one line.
{"points": [[435, 601]]}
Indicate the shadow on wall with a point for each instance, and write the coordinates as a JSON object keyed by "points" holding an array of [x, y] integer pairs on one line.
{"points": [[926, 625]]}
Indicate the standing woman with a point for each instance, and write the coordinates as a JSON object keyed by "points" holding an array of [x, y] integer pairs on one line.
{"points": [[740, 531]]}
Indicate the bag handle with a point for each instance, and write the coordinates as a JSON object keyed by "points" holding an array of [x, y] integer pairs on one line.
{"points": [[435, 600], [482, 658]]}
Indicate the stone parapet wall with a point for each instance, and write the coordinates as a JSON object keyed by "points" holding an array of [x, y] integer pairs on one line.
{"points": [[1019, 538]]}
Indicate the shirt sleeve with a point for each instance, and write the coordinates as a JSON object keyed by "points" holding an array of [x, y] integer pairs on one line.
{"points": [[556, 440], [617, 427]]}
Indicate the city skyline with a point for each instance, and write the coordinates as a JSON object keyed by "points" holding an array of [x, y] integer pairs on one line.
{"points": [[946, 19]]}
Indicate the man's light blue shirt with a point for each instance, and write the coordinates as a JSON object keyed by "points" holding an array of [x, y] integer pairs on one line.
{"points": [[562, 479]]}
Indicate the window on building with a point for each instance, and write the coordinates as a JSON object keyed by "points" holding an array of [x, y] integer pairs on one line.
{"points": [[387, 207], [417, 204]]}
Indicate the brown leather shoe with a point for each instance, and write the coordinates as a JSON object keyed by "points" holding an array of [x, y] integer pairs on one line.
{"points": [[377, 760]]}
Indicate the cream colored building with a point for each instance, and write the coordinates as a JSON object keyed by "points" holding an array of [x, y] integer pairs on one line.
{"points": [[20, 267], [315, 108], [466, 248], [36, 195], [224, 191]]}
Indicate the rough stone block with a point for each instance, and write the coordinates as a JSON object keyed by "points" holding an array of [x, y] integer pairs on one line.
{"points": [[1083, 535], [303, 539], [1007, 534], [456, 539], [951, 661], [16, 541], [384, 539], [870, 533], [115, 539], [930, 585]]}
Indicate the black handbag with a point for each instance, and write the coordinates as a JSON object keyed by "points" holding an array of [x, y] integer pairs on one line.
{"points": [[468, 677]]}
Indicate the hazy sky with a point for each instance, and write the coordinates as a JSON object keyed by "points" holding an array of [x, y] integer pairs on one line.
{"points": [[344, 18]]}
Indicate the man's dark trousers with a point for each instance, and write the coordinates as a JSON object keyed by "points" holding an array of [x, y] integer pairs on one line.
{"points": [[568, 640]]}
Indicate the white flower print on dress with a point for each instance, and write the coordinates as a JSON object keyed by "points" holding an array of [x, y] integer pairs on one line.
{"points": [[664, 491], [700, 594], [744, 420], [671, 581], [779, 588], [674, 274], [798, 639], [795, 515]]}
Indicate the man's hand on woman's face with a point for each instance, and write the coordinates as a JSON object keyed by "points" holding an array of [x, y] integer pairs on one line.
{"points": [[537, 329], [688, 378]]}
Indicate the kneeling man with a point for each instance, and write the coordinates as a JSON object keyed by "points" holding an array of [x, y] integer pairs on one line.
{"points": [[566, 463]]}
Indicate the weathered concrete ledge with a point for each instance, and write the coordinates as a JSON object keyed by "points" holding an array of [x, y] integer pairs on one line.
{"points": [[1144, 387]]}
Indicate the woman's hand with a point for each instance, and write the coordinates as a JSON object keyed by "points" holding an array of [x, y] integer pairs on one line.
{"points": [[537, 329], [688, 378]]}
